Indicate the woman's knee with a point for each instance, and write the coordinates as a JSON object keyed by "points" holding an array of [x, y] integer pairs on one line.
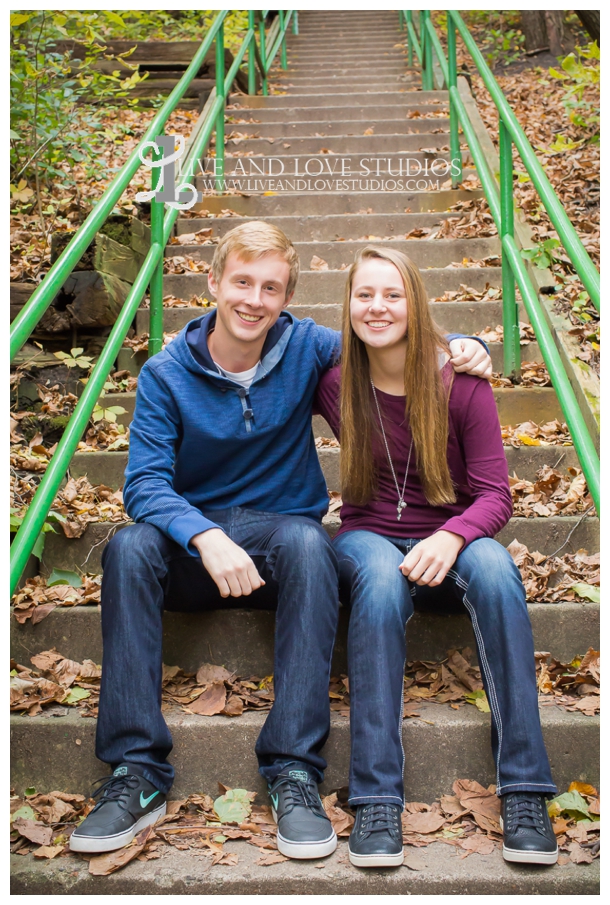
{"points": [[370, 578], [489, 576]]}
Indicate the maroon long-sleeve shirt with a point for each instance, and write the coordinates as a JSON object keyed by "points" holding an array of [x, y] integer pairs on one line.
{"points": [[474, 452]]}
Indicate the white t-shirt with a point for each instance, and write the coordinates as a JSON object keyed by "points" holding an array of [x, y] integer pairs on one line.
{"points": [[244, 378]]}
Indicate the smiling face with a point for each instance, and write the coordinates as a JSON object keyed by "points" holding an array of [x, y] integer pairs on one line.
{"points": [[378, 304], [250, 297]]}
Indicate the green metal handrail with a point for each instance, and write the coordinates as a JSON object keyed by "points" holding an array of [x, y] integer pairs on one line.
{"points": [[501, 205], [151, 273]]}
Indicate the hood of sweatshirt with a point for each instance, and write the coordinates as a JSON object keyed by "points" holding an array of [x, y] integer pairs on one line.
{"points": [[190, 347]]}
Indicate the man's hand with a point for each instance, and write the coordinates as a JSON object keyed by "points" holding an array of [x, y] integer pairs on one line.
{"points": [[430, 559], [468, 356], [229, 565]]}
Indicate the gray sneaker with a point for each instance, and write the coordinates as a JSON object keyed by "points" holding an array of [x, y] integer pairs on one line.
{"points": [[128, 804], [304, 830]]}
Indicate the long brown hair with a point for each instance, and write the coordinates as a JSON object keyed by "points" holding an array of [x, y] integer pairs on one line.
{"points": [[427, 394]]}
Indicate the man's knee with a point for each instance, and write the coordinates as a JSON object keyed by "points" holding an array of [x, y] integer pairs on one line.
{"points": [[302, 536], [132, 544]]}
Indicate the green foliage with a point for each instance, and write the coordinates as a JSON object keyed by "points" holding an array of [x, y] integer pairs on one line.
{"points": [[17, 516], [542, 255], [570, 803], [580, 70], [48, 85], [579, 308], [234, 806], [75, 359], [62, 576], [587, 591], [506, 46], [175, 25]]}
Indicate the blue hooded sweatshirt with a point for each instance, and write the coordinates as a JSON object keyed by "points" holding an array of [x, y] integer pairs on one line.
{"points": [[200, 442]]}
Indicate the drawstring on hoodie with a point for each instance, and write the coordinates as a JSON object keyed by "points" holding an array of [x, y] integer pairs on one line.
{"points": [[246, 410]]}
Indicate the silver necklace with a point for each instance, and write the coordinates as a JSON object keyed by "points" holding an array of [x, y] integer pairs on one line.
{"points": [[401, 496]]}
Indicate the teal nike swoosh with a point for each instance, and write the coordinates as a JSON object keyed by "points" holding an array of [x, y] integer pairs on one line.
{"points": [[274, 799], [146, 801]]}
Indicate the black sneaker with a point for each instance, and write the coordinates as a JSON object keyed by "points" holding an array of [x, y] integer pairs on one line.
{"points": [[528, 834], [376, 837], [303, 829], [129, 803]]}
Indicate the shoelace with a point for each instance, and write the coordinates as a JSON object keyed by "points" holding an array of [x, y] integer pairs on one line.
{"points": [[115, 788], [379, 818], [299, 792], [524, 812]]}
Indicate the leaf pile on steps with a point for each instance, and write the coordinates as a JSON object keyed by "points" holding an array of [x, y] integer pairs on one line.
{"points": [[77, 504], [139, 343], [213, 690], [171, 301], [528, 433], [33, 455], [35, 600], [552, 493], [327, 443], [489, 261], [468, 819], [496, 334], [571, 577], [201, 237], [184, 264], [575, 686], [472, 219], [468, 294], [533, 374]]}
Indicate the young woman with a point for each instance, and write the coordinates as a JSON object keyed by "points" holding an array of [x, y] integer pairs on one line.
{"points": [[425, 489]]}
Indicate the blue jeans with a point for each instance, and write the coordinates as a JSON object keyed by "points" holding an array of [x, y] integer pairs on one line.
{"points": [[145, 572], [487, 583]]}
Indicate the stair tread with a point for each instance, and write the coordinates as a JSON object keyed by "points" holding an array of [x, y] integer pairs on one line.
{"points": [[179, 873]]}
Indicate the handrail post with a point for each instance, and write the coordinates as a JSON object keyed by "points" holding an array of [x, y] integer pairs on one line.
{"points": [[157, 211], [219, 163], [426, 44], [454, 121], [295, 22], [261, 29], [510, 313], [251, 55], [283, 57], [409, 19]]}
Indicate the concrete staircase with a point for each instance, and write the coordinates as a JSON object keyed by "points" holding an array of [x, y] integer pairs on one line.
{"points": [[347, 90]]}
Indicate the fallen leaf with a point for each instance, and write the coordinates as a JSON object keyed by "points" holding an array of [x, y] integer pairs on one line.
{"points": [[234, 806], [274, 858], [48, 851], [425, 822], [209, 702], [414, 861], [477, 844], [108, 863], [33, 831]]}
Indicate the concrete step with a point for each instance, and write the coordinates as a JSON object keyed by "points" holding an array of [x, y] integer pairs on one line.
{"points": [[546, 535], [435, 253], [440, 747], [242, 640], [378, 143], [333, 227], [325, 287], [109, 467], [323, 128], [297, 112], [300, 75], [178, 873], [329, 203], [392, 82], [358, 98]]}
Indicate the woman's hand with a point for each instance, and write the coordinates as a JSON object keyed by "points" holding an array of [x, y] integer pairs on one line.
{"points": [[430, 559]]}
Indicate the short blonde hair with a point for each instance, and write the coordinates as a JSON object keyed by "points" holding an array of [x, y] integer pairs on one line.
{"points": [[253, 240]]}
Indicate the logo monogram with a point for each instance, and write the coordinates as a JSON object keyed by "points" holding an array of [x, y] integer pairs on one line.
{"points": [[183, 196], [274, 799]]}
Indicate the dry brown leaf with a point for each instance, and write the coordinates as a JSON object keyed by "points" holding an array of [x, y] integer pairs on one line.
{"points": [[210, 702], [108, 863], [423, 822], [48, 851], [479, 844], [33, 831], [267, 860]]}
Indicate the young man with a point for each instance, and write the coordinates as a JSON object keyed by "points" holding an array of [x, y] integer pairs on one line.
{"points": [[227, 493]]}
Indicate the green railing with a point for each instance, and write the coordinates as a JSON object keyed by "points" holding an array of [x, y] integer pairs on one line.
{"points": [[151, 273], [425, 44]]}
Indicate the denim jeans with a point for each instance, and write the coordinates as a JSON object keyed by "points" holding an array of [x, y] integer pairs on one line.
{"points": [[487, 583], [145, 572]]}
